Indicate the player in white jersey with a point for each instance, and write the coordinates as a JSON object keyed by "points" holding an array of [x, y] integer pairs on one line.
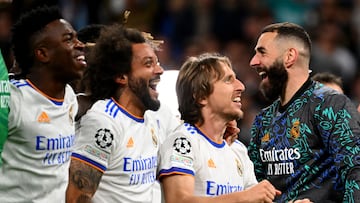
{"points": [[196, 164], [215, 167], [37, 150], [116, 155], [241, 153], [113, 148]]}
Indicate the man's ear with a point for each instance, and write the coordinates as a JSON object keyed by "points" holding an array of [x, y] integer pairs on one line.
{"points": [[121, 79], [291, 57], [202, 101], [42, 54]]}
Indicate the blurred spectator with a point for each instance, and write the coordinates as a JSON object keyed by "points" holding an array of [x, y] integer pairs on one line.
{"points": [[330, 80], [355, 90], [289, 10], [6, 22], [228, 27], [329, 54]]}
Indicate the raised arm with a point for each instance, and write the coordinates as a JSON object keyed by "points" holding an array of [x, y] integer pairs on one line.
{"points": [[83, 182]]}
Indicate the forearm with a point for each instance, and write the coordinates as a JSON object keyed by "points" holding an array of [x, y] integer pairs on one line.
{"points": [[74, 195], [228, 198], [83, 182], [183, 193]]}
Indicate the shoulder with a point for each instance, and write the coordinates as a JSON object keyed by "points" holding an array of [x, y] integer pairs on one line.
{"points": [[239, 147], [330, 97], [18, 85], [17, 90], [182, 132]]}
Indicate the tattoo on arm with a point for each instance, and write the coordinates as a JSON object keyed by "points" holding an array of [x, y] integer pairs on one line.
{"points": [[85, 179], [83, 198]]}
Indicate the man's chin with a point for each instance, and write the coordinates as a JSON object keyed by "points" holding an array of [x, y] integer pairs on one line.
{"points": [[154, 105], [240, 115]]}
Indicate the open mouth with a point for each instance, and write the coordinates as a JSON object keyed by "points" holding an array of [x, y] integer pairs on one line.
{"points": [[81, 59], [237, 99], [262, 72], [153, 83], [262, 75]]}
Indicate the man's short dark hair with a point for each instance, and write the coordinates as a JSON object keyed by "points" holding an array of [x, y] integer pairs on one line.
{"points": [[26, 28]]}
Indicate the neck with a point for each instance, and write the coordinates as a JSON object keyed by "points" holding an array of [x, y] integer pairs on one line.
{"points": [[294, 83], [130, 102], [48, 85], [214, 128]]}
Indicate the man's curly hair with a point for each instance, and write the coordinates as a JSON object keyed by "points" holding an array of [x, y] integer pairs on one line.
{"points": [[111, 57], [25, 31]]}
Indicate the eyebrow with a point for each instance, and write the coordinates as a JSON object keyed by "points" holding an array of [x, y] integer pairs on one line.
{"points": [[149, 57], [69, 34], [260, 49]]}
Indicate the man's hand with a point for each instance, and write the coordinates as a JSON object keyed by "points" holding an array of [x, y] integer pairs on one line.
{"points": [[262, 192], [231, 132]]}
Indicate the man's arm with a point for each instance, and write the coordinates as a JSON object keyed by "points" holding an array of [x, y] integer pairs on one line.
{"points": [[83, 182], [344, 142], [180, 188]]}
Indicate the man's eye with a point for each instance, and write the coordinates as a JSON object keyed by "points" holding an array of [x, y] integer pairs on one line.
{"points": [[228, 79], [149, 63]]}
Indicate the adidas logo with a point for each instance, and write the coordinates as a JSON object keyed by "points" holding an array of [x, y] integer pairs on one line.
{"points": [[130, 143], [43, 118], [211, 163]]}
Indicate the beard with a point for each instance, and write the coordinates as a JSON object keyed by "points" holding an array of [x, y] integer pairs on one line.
{"points": [[277, 79], [141, 90]]}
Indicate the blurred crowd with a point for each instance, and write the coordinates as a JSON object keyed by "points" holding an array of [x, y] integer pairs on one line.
{"points": [[230, 27]]}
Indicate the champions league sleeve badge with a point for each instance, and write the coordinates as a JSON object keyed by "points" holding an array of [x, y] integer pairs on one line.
{"points": [[182, 145], [104, 138]]}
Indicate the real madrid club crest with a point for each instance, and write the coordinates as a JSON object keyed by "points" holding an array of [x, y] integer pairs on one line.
{"points": [[239, 167], [266, 137], [153, 136], [295, 129], [71, 119]]}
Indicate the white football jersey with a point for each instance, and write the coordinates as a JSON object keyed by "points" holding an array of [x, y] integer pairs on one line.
{"points": [[241, 152], [123, 147], [216, 168], [37, 152], [167, 122]]}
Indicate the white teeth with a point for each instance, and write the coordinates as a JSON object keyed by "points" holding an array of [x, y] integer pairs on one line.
{"points": [[155, 82], [262, 73], [237, 99], [80, 58]]}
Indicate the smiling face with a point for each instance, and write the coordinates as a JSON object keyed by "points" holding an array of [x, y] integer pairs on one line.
{"points": [[65, 53], [269, 64], [145, 75], [225, 99]]}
